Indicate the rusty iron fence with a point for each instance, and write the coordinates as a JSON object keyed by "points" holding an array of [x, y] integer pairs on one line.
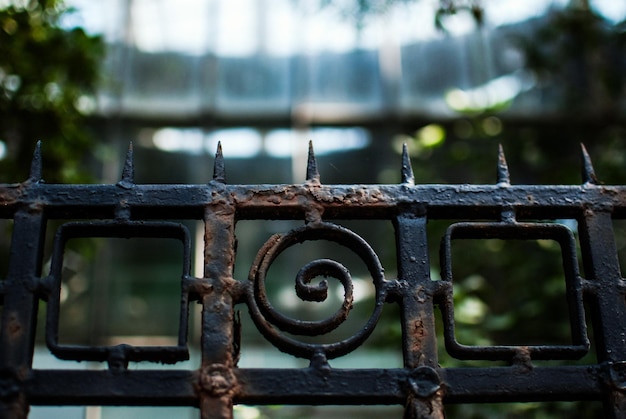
{"points": [[501, 211]]}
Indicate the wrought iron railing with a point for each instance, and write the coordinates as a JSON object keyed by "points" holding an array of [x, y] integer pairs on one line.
{"points": [[502, 211]]}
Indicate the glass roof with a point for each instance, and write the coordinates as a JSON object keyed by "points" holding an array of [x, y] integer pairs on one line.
{"points": [[287, 27], [294, 60]]}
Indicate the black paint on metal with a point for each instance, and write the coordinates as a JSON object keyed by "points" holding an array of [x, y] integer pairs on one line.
{"points": [[502, 210]]}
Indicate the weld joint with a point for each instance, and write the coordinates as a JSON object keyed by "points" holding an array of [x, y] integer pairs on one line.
{"points": [[218, 380], [616, 375], [423, 382]]}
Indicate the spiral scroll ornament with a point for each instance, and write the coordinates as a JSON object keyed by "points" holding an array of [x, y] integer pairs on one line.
{"points": [[271, 323]]}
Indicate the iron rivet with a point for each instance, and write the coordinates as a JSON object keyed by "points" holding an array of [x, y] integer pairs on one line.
{"points": [[424, 381]]}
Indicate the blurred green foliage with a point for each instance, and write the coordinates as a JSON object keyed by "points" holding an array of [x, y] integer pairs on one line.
{"points": [[48, 76], [580, 55]]}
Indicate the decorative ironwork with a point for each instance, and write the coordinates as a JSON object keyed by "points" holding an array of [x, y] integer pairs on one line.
{"points": [[264, 314], [118, 355], [502, 210], [510, 229]]}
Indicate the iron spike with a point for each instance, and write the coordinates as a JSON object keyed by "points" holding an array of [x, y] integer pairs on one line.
{"points": [[588, 174], [128, 172], [35, 175], [219, 171], [407, 171], [312, 174], [503, 169]]}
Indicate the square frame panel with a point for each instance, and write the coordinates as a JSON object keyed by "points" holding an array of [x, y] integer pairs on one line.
{"points": [[119, 353], [573, 283]]}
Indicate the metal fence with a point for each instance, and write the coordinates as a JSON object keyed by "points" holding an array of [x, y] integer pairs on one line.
{"points": [[128, 210]]}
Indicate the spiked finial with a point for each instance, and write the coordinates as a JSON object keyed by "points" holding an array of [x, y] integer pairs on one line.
{"points": [[219, 172], [407, 170], [128, 172], [35, 165], [503, 169], [312, 174], [589, 175]]}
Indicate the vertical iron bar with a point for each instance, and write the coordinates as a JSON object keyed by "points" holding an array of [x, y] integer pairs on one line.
{"points": [[608, 304], [19, 314], [418, 320], [217, 380]]}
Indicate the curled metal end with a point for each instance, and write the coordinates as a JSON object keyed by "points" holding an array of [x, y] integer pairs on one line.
{"points": [[588, 174], [312, 174], [219, 171], [407, 171], [503, 169], [35, 175], [128, 173]]}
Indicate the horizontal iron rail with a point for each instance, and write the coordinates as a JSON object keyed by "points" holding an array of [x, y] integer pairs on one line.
{"points": [[314, 387], [292, 201]]}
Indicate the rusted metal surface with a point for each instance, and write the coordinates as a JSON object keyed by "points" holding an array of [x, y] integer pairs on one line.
{"points": [[502, 210]]}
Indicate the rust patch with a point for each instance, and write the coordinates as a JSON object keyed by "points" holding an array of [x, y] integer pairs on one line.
{"points": [[431, 407], [275, 200], [218, 380], [523, 357], [10, 195], [14, 327], [419, 333]]}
